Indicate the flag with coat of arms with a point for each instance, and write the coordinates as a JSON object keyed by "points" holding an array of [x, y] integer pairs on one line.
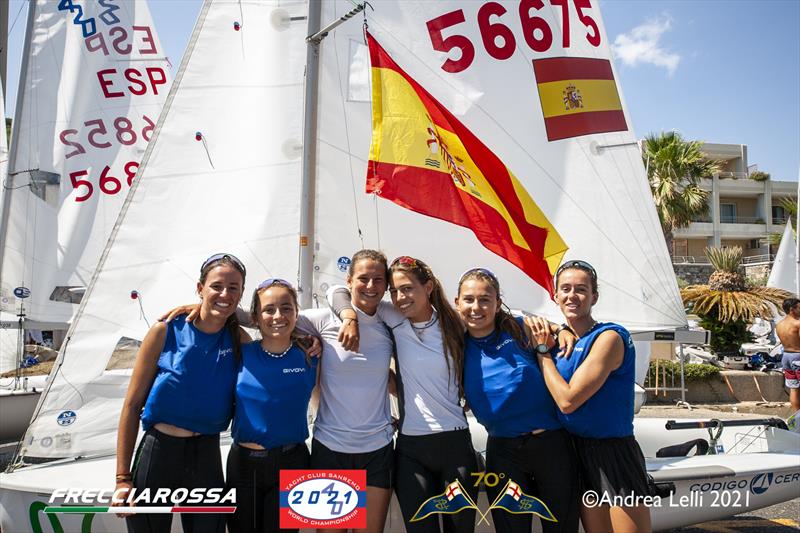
{"points": [[513, 500], [454, 500]]}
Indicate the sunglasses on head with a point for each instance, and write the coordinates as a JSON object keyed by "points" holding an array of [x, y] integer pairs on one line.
{"points": [[273, 281], [219, 257], [406, 260], [479, 270], [581, 265]]}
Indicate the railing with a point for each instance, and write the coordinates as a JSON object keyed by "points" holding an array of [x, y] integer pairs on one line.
{"points": [[690, 260], [734, 175], [779, 221], [702, 218], [764, 258], [740, 220]]}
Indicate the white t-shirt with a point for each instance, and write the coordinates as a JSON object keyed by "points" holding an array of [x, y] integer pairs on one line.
{"points": [[429, 391], [354, 412]]}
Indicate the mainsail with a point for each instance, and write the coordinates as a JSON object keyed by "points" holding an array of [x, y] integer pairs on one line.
{"points": [[93, 81], [223, 174]]}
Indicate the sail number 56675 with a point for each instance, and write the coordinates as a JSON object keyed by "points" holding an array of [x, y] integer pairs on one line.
{"points": [[108, 183], [498, 39]]}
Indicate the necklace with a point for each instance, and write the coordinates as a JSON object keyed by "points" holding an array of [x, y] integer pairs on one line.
{"points": [[278, 355], [426, 325]]}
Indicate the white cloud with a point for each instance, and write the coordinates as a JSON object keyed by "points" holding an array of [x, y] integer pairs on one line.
{"points": [[641, 46]]}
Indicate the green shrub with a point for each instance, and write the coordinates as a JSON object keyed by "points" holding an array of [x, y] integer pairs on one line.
{"points": [[759, 175], [693, 373]]}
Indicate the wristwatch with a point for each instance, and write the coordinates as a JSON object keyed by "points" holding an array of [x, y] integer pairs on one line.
{"points": [[542, 348]]}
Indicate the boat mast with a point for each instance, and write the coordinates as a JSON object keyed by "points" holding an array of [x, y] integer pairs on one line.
{"points": [[309, 170], [797, 240], [309, 174], [8, 179]]}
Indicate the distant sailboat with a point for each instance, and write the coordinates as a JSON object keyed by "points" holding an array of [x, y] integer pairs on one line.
{"points": [[784, 269], [92, 84]]}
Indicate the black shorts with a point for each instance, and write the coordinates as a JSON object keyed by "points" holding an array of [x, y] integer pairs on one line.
{"points": [[379, 464], [613, 466]]}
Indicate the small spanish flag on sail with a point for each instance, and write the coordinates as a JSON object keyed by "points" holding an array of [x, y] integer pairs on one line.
{"points": [[424, 159], [579, 97]]}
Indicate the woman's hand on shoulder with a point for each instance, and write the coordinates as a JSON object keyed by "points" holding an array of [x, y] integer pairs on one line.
{"points": [[310, 344], [191, 310], [566, 341]]}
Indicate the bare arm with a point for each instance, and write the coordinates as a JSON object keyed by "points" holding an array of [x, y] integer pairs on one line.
{"points": [[144, 372], [605, 356], [339, 302]]}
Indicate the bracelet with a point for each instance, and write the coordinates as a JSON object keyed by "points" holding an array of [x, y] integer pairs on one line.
{"points": [[564, 327], [124, 477], [351, 319]]}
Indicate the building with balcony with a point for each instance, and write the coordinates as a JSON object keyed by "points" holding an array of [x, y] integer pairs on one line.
{"points": [[742, 212]]}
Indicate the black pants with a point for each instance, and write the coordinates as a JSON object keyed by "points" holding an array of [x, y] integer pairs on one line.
{"points": [[163, 461], [425, 465], [254, 474], [543, 465]]}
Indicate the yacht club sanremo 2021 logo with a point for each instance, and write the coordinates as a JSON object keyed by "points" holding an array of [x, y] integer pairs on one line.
{"points": [[323, 499]]}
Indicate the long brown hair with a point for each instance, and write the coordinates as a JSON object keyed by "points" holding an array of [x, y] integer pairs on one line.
{"points": [[504, 321], [232, 323], [449, 322]]}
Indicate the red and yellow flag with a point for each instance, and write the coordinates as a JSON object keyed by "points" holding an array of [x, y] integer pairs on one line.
{"points": [[579, 97], [424, 159]]}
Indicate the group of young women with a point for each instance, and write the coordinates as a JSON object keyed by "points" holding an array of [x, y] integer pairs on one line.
{"points": [[558, 423]]}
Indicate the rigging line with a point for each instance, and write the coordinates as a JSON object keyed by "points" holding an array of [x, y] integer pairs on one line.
{"points": [[377, 220], [347, 139], [16, 17], [627, 224]]}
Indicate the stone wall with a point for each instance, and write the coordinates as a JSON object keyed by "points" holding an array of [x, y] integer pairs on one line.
{"points": [[693, 274]]}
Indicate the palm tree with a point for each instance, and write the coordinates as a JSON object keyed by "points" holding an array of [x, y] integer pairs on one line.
{"points": [[728, 304], [674, 169]]}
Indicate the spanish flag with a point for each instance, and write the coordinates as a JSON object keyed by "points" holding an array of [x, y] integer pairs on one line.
{"points": [[579, 97], [424, 159]]}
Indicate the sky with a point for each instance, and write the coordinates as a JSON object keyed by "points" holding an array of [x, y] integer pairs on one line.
{"points": [[721, 71]]}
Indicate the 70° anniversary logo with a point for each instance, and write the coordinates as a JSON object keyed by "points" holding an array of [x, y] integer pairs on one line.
{"points": [[323, 499]]}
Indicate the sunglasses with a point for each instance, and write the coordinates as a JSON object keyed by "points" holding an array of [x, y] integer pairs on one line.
{"points": [[581, 265], [219, 257], [273, 281], [479, 270]]}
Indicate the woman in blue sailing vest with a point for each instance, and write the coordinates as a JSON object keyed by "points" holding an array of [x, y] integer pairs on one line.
{"points": [[594, 392], [182, 387], [527, 448], [433, 448], [270, 423]]}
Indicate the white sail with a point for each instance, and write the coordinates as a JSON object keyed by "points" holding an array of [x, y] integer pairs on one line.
{"points": [[8, 335], [235, 186], [222, 175], [597, 198], [784, 269], [93, 82]]}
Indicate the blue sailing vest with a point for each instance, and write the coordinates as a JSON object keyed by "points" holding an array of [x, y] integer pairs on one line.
{"points": [[194, 386], [505, 388], [272, 395], [609, 412]]}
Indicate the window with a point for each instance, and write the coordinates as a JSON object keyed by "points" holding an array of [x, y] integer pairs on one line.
{"points": [[727, 213], [754, 244], [680, 247], [778, 214]]}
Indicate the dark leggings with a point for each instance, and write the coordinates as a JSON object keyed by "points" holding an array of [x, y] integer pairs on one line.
{"points": [[425, 465], [254, 474], [163, 461], [543, 465]]}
